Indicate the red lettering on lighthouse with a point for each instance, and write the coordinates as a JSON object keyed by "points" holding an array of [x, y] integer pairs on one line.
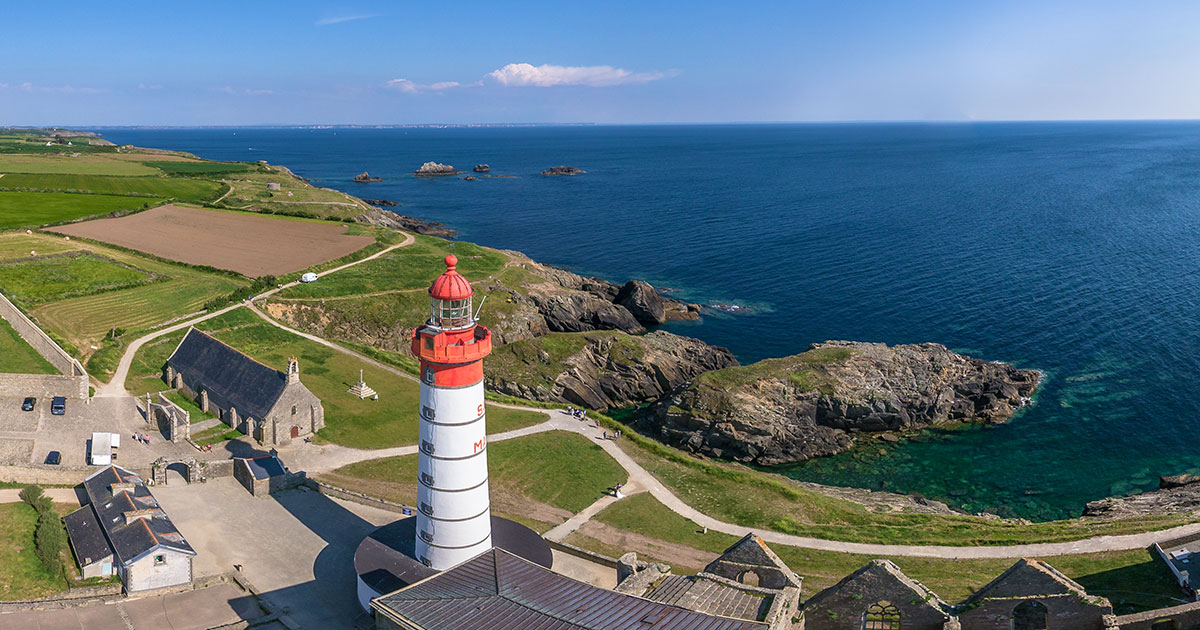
{"points": [[479, 446]]}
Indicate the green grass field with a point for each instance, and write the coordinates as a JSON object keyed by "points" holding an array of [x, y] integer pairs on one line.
{"points": [[175, 187], [412, 267], [198, 168], [739, 495], [31, 209], [97, 164], [17, 357], [22, 576], [54, 278], [565, 470], [190, 406], [15, 245]]}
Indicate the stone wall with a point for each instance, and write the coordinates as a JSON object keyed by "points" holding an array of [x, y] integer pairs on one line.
{"points": [[358, 497], [57, 475], [1065, 612], [73, 380], [1182, 617], [265, 487]]}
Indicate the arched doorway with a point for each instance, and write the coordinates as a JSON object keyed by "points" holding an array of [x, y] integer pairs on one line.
{"points": [[178, 470], [881, 616], [1030, 615], [749, 578], [295, 431]]}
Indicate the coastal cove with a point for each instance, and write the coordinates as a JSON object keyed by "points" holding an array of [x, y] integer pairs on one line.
{"points": [[973, 236]]}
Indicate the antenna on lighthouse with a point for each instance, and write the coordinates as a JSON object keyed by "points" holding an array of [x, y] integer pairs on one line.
{"points": [[478, 310]]}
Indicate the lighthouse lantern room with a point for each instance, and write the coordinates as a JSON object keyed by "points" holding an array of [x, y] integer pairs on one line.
{"points": [[453, 518]]}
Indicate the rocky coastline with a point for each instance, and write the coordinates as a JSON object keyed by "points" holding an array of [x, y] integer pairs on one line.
{"points": [[819, 402]]}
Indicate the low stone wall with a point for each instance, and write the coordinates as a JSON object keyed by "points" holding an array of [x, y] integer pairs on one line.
{"points": [[73, 598], [1184, 616], [579, 552], [216, 468], [73, 380], [57, 475], [358, 497]]}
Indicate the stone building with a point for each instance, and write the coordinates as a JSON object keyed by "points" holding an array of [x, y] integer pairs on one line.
{"points": [[747, 582], [877, 597], [1032, 595], [265, 475], [271, 406], [123, 531]]}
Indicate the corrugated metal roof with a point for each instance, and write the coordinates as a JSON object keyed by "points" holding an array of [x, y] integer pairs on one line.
{"points": [[500, 590], [231, 378]]}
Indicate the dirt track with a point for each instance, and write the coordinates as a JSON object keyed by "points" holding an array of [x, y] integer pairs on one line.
{"points": [[249, 244]]}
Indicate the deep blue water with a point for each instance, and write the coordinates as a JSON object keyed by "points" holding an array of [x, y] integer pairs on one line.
{"points": [[1069, 247]]}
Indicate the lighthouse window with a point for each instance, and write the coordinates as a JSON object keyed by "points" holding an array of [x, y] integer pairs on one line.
{"points": [[427, 413], [426, 536], [453, 313], [427, 509], [427, 447], [427, 479]]}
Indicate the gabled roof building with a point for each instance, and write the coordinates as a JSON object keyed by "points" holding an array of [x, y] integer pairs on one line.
{"points": [[273, 407], [123, 531]]}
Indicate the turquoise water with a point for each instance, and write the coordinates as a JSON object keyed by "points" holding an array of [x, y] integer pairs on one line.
{"points": [[1069, 247]]}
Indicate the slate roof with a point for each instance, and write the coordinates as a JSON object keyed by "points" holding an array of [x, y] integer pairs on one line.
{"points": [[87, 538], [265, 467], [497, 589], [134, 539], [231, 378], [1027, 578], [697, 592], [877, 569]]}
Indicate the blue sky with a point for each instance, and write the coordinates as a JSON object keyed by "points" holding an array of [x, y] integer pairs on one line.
{"points": [[244, 63]]}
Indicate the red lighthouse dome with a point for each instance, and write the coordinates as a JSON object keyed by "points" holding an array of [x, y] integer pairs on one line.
{"points": [[451, 285]]}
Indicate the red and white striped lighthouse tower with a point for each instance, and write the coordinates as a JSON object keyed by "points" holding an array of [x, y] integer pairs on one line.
{"points": [[453, 509]]}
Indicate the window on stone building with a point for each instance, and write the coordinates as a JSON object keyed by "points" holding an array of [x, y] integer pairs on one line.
{"points": [[160, 559], [1165, 624], [1030, 615], [293, 411], [749, 578], [881, 616]]}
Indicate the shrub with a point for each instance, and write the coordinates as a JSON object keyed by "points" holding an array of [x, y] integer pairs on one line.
{"points": [[49, 537]]}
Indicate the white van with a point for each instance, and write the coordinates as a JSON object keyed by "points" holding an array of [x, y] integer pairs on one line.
{"points": [[101, 452], [308, 277]]}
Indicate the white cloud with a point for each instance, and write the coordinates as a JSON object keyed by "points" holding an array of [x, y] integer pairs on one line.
{"points": [[58, 89], [408, 87], [546, 75], [344, 18], [259, 92], [143, 86]]}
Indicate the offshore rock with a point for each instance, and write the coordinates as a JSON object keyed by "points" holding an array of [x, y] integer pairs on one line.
{"points": [[481, 168], [601, 369], [433, 169], [816, 403], [365, 177], [562, 170]]}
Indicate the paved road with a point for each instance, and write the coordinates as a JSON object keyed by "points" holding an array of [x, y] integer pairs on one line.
{"points": [[193, 610]]}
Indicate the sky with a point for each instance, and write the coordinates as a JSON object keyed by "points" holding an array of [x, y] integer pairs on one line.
{"points": [[304, 62]]}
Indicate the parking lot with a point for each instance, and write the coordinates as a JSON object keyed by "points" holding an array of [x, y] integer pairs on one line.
{"points": [[28, 436]]}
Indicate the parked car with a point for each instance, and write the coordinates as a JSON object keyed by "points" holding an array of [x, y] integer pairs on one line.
{"points": [[28, 404], [54, 458], [58, 406]]}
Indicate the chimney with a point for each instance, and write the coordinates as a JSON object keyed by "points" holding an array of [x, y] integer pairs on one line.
{"points": [[120, 487], [134, 515]]}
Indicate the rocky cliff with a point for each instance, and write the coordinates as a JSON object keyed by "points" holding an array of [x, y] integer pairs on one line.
{"points": [[601, 369], [1176, 494], [816, 403]]}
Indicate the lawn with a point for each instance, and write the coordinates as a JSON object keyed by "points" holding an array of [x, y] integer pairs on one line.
{"points": [[412, 267], [22, 576], [174, 167], [564, 470], [190, 406], [81, 165], [175, 187], [739, 495], [59, 277], [17, 357], [216, 435], [31, 209], [1134, 580]]}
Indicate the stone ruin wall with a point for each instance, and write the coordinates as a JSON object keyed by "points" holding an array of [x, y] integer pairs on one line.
{"points": [[72, 381]]}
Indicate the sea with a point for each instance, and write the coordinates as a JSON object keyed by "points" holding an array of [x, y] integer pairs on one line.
{"points": [[1072, 248]]}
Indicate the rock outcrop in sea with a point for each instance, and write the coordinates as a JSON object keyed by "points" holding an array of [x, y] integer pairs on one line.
{"points": [[365, 177], [562, 170], [601, 369], [1176, 494], [817, 403], [381, 202], [434, 169], [481, 168]]}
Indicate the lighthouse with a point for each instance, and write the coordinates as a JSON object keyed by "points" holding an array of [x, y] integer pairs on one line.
{"points": [[453, 521]]}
